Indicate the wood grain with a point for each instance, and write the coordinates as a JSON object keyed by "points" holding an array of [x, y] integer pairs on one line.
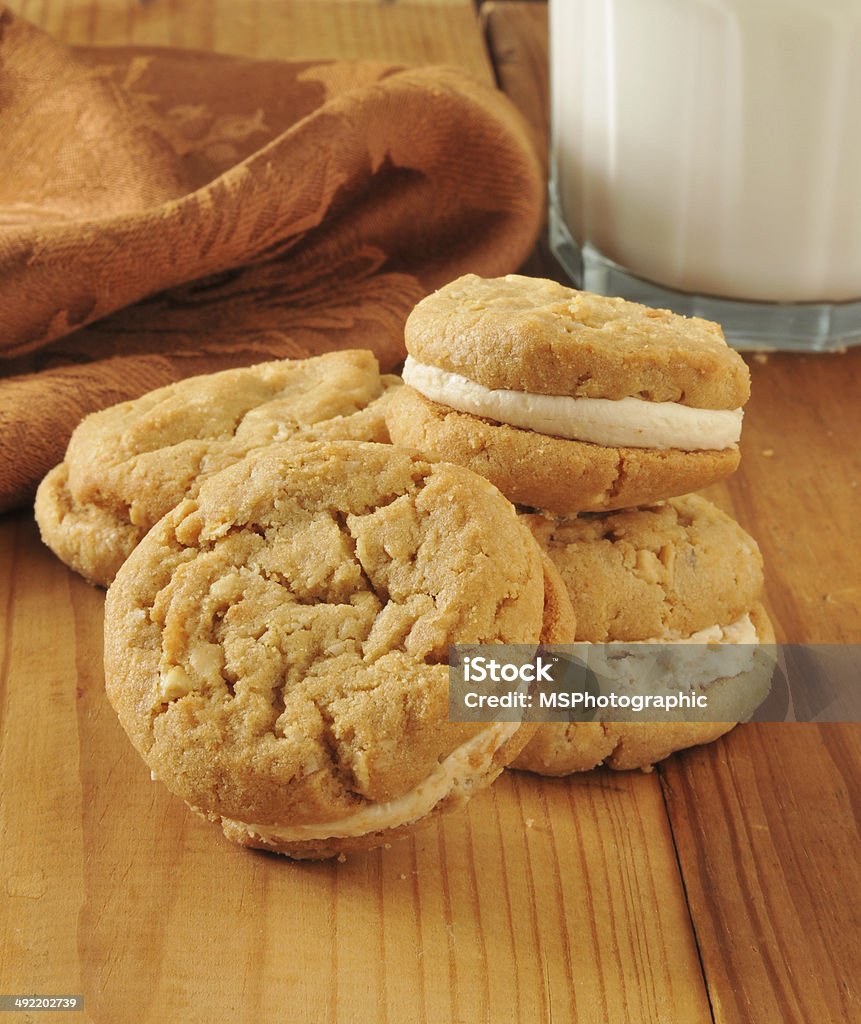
{"points": [[799, 485], [408, 31], [41, 858], [767, 828], [517, 39]]}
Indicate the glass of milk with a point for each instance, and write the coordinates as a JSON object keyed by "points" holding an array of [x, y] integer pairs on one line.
{"points": [[707, 158]]}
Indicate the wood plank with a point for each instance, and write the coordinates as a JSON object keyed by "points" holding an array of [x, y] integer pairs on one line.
{"points": [[41, 860], [405, 31], [516, 34], [798, 489], [767, 828], [517, 39], [623, 928]]}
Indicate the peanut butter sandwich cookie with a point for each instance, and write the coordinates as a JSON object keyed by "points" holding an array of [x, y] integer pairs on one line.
{"points": [[128, 465], [679, 573], [277, 647], [569, 401]]}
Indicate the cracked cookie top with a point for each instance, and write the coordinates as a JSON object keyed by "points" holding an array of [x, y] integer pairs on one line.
{"points": [[276, 648], [534, 335], [665, 570], [129, 464]]}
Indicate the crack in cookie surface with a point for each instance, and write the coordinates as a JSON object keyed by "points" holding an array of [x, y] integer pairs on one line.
{"points": [[127, 465], [665, 569]]}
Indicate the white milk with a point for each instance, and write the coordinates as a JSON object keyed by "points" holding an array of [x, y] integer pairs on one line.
{"points": [[713, 146]]}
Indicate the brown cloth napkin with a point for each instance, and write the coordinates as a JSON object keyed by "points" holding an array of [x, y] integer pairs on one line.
{"points": [[165, 213]]}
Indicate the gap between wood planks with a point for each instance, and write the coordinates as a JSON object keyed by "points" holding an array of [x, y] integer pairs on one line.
{"points": [[660, 771]]}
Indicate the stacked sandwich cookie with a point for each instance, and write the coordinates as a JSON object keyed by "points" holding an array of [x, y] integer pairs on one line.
{"points": [[567, 401], [679, 572], [581, 406]]}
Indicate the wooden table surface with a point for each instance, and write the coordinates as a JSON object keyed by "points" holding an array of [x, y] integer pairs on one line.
{"points": [[722, 887]]}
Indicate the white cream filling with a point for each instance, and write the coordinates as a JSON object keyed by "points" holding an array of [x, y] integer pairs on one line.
{"points": [[689, 662], [627, 422], [470, 760]]}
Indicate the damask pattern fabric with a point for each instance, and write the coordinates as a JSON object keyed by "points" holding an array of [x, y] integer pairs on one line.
{"points": [[165, 213]]}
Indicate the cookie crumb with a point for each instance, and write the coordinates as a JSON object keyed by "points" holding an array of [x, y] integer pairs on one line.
{"points": [[530, 822], [342, 858], [760, 357], [768, 453], [403, 878]]}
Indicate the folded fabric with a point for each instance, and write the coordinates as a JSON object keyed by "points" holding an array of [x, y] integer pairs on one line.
{"points": [[165, 213]]}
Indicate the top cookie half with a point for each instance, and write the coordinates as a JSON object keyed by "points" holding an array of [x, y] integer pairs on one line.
{"points": [[526, 334]]}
